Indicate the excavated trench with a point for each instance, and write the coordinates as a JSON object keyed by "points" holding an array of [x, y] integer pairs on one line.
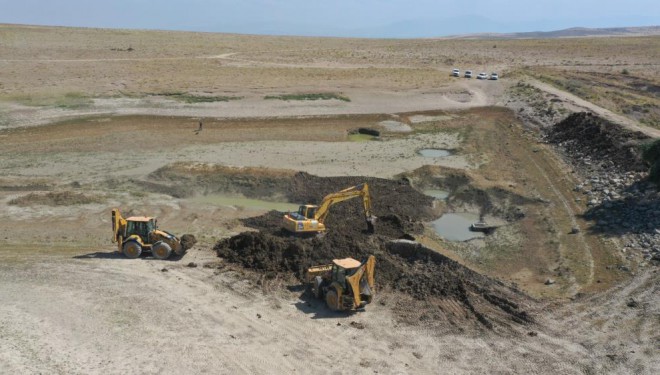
{"points": [[422, 282]]}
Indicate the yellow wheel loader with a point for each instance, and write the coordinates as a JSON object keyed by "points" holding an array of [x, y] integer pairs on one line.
{"points": [[310, 218], [138, 234], [346, 284]]}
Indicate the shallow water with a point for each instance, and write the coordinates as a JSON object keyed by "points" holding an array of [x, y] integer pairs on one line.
{"points": [[437, 194], [243, 202], [434, 153], [456, 226], [360, 137]]}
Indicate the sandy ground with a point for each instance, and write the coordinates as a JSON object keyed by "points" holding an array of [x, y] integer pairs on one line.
{"points": [[464, 95], [71, 311], [69, 304]]}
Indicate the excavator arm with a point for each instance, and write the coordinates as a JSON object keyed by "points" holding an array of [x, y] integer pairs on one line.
{"points": [[310, 218], [361, 190]]}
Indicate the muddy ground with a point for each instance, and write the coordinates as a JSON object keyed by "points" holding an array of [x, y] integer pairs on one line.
{"points": [[431, 279]]}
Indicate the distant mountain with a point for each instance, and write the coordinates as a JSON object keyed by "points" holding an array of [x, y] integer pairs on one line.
{"points": [[573, 32]]}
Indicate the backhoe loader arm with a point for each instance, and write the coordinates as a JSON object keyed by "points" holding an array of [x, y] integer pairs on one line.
{"points": [[118, 225], [346, 194], [362, 281]]}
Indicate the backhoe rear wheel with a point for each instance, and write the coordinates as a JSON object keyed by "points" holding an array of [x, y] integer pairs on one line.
{"points": [[161, 250], [132, 250]]}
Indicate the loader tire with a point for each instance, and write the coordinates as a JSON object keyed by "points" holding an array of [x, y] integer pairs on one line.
{"points": [[161, 250], [132, 250], [331, 300], [316, 287]]}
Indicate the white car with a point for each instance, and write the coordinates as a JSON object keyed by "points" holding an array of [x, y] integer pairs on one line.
{"points": [[494, 76], [468, 74], [482, 75], [456, 73]]}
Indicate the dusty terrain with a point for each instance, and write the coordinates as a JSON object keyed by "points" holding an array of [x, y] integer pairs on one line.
{"points": [[95, 119]]}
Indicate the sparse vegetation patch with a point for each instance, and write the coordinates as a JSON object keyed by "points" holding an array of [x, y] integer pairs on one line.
{"points": [[312, 96], [54, 198], [192, 98], [71, 100]]}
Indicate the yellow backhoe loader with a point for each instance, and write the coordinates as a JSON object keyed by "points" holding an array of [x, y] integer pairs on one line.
{"points": [[138, 234], [310, 218], [346, 284]]}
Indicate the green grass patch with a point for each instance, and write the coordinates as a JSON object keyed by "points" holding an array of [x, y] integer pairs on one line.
{"points": [[71, 100], [360, 137], [54, 198], [191, 98], [188, 98], [312, 96]]}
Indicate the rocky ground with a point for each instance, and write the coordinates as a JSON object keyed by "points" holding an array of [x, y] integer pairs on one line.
{"points": [[620, 202]]}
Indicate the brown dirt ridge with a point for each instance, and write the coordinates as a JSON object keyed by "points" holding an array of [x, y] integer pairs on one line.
{"points": [[599, 139], [403, 266]]}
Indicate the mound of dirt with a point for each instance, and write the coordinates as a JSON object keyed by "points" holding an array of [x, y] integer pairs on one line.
{"points": [[188, 241], [403, 266], [586, 135], [54, 198], [400, 209]]}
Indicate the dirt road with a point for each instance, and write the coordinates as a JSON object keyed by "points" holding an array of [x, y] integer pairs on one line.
{"points": [[581, 104]]}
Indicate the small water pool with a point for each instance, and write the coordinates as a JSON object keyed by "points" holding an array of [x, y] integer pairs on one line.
{"points": [[243, 202], [358, 137], [437, 194], [434, 153], [456, 226]]}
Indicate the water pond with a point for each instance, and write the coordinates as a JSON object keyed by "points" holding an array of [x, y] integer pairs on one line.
{"points": [[456, 226]]}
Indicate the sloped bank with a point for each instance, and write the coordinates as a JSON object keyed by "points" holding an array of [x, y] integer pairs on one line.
{"points": [[620, 201]]}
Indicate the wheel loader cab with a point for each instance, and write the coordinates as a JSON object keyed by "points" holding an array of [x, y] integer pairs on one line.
{"points": [[140, 226]]}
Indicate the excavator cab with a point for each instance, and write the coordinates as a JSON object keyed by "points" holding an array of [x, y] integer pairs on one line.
{"points": [[307, 211]]}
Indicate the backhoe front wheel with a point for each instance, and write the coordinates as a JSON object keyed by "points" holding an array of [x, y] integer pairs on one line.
{"points": [[161, 250], [132, 250], [332, 300], [316, 287]]}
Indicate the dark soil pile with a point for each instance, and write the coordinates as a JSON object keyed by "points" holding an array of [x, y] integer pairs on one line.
{"points": [[55, 198], [584, 135], [402, 266], [188, 241]]}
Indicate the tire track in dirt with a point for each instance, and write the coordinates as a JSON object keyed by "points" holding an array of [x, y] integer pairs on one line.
{"points": [[571, 215]]}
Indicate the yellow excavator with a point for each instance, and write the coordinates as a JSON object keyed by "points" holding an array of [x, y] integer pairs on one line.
{"points": [[346, 284], [310, 218], [136, 234]]}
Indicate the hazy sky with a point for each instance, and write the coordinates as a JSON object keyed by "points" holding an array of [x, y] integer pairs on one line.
{"points": [[372, 18]]}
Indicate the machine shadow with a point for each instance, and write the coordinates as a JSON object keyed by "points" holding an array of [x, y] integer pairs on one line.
{"points": [[118, 255], [315, 307]]}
